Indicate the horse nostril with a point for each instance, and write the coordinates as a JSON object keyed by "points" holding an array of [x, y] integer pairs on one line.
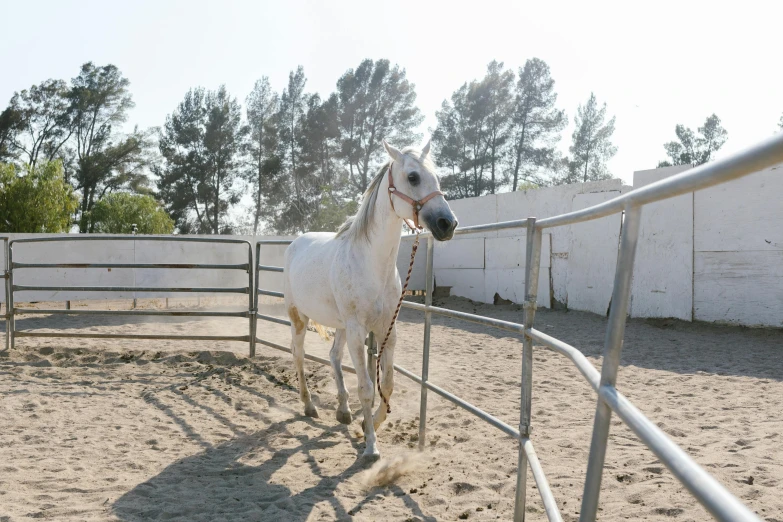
{"points": [[445, 225]]}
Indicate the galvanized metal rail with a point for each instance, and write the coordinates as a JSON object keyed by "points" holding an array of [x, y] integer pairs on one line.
{"points": [[13, 267], [709, 492]]}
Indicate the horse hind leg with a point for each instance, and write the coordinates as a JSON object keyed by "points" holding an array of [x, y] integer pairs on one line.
{"points": [[298, 330], [336, 356]]}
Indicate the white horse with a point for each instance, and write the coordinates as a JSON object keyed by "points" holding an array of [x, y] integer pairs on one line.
{"points": [[349, 280]]}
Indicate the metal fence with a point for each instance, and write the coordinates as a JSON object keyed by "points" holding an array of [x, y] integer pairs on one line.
{"points": [[13, 268], [709, 492]]}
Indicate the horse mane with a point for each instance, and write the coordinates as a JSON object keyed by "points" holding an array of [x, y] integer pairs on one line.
{"points": [[360, 224]]}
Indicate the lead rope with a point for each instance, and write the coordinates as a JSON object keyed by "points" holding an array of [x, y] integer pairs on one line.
{"points": [[394, 320]]}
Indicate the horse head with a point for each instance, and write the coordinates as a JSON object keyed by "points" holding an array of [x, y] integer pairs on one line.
{"points": [[412, 180]]}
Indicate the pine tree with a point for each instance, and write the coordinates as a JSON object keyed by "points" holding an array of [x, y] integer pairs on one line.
{"points": [[592, 146], [376, 102], [535, 123], [103, 160], [691, 149], [261, 147], [201, 142]]}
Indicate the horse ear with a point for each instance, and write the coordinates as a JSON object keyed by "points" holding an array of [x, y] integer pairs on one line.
{"points": [[395, 154], [426, 150]]}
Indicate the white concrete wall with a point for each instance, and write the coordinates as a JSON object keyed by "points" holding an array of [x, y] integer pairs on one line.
{"points": [[738, 251], [592, 256], [548, 202], [663, 272], [716, 255]]}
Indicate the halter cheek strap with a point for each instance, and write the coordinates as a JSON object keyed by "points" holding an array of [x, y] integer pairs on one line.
{"points": [[416, 204]]}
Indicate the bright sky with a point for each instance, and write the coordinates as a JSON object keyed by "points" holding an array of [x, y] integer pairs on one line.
{"points": [[656, 64]]}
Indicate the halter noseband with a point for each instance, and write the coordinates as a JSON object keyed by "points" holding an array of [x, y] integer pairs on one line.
{"points": [[416, 204]]}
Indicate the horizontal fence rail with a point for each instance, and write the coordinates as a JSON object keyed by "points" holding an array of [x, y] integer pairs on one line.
{"points": [[243, 266], [143, 289], [13, 267], [708, 491]]}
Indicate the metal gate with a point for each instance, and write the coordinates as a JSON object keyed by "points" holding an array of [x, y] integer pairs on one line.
{"points": [[13, 268]]}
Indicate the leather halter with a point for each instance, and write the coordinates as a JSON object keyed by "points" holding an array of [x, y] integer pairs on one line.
{"points": [[416, 204]]}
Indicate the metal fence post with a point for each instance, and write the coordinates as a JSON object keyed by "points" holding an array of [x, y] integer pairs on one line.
{"points": [[429, 284], [613, 345], [7, 282], [532, 266], [10, 300], [253, 306]]}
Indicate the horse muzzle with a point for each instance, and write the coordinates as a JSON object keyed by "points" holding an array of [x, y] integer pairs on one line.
{"points": [[441, 224]]}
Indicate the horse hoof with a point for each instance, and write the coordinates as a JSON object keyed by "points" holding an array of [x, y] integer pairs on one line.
{"points": [[373, 456], [344, 417], [311, 411]]}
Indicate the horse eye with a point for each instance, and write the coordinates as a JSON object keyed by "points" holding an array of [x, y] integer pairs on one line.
{"points": [[413, 178]]}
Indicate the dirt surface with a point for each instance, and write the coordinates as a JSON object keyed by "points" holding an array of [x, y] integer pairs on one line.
{"points": [[141, 430]]}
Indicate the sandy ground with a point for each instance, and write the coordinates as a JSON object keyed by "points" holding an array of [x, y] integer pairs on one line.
{"points": [[145, 430]]}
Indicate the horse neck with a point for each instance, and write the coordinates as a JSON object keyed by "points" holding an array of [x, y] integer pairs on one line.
{"points": [[386, 232]]}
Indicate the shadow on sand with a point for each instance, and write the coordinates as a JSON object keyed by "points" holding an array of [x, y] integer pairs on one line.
{"points": [[217, 484]]}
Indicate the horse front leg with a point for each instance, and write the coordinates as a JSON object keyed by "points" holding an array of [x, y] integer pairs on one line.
{"points": [[336, 356], [356, 334], [386, 378]]}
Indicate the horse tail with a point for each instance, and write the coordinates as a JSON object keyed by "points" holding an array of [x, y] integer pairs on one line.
{"points": [[321, 329]]}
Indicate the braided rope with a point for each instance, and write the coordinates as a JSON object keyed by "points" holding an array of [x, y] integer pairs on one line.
{"points": [[394, 320]]}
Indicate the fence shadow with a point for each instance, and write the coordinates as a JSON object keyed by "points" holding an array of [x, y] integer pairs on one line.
{"points": [[662, 344], [216, 484]]}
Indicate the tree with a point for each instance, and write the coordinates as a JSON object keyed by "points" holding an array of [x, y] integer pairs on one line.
{"points": [[332, 214], [262, 144], [592, 146], [322, 175], [376, 102], [200, 143], [496, 102], [535, 122], [104, 161], [43, 121], [692, 149], [290, 207], [10, 123], [118, 212], [472, 133], [35, 199]]}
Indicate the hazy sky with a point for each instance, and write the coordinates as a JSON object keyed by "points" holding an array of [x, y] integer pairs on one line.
{"points": [[654, 63]]}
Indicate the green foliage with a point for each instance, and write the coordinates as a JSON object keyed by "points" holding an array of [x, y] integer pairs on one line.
{"points": [[35, 199], [535, 123], [471, 131], [375, 102], [331, 214], [118, 212], [691, 149], [592, 147], [103, 160], [261, 147], [528, 185], [10, 125], [495, 132], [201, 141], [44, 121]]}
